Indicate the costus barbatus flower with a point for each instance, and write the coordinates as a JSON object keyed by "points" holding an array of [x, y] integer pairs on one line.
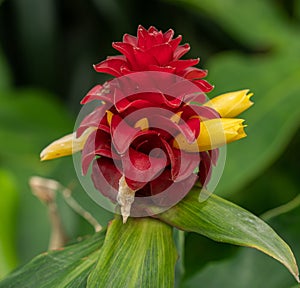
{"points": [[153, 133]]}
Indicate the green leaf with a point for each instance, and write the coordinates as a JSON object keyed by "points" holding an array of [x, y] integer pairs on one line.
{"points": [[8, 213], [273, 119], [29, 120], [140, 253], [179, 237], [266, 21], [249, 269], [68, 267], [223, 221]]}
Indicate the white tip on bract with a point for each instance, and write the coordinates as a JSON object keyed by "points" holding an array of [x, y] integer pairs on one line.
{"points": [[125, 198]]}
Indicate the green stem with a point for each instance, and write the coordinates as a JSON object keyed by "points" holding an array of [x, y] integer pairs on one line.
{"points": [[281, 209]]}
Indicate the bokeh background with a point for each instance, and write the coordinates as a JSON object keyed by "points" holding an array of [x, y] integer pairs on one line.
{"points": [[47, 49]]}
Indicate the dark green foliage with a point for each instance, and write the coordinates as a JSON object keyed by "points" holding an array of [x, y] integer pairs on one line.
{"points": [[46, 57]]}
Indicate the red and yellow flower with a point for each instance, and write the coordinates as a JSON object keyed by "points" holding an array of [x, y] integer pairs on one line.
{"points": [[153, 127]]}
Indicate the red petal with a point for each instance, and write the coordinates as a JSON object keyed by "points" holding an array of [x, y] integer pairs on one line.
{"points": [[168, 35], [140, 168], [144, 59], [167, 193], [149, 38], [205, 168], [174, 44], [182, 89], [111, 66], [122, 134], [194, 125], [161, 183], [171, 102], [167, 125], [136, 83], [183, 64], [98, 143], [142, 35], [96, 93], [103, 146], [127, 50], [214, 155], [162, 53], [194, 73], [151, 99], [181, 50], [95, 119], [106, 177], [199, 97], [126, 70], [188, 162], [132, 40], [167, 69], [154, 37], [152, 29], [88, 153], [203, 85], [183, 164], [147, 140], [125, 105]]}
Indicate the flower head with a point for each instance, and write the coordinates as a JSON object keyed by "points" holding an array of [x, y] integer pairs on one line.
{"points": [[153, 50], [153, 134], [135, 131]]}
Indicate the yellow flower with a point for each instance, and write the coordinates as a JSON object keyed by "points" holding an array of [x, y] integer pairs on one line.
{"points": [[231, 104], [66, 145], [213, 134]]}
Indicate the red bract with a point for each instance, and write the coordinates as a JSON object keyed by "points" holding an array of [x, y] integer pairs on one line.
{"points": [[154, 97], [153, 50]]}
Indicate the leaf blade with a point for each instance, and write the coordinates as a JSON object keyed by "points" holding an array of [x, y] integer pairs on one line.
{"points": [[249, 269], [140, 253], [62, 268], [223, 221]]}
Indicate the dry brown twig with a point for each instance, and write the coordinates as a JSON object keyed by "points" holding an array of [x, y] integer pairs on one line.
{"points": [[45, 190]]}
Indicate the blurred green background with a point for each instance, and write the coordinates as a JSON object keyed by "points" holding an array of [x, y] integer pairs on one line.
{"points": [[47, 49]]}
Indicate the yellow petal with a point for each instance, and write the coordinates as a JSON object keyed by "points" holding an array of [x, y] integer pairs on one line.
{"points": [[176, 117], [143, 124], [231, 104], [213, 134], [109, 116], [66, 145]]}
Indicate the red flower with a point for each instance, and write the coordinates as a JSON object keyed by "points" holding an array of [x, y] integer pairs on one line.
{"points": [[153, 50], [144, 109], [143, 137], [134, 135]]}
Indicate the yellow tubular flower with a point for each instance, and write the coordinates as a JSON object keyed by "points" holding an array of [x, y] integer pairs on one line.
{"points": [[231, 104], [213, 134], [66, 145]]}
